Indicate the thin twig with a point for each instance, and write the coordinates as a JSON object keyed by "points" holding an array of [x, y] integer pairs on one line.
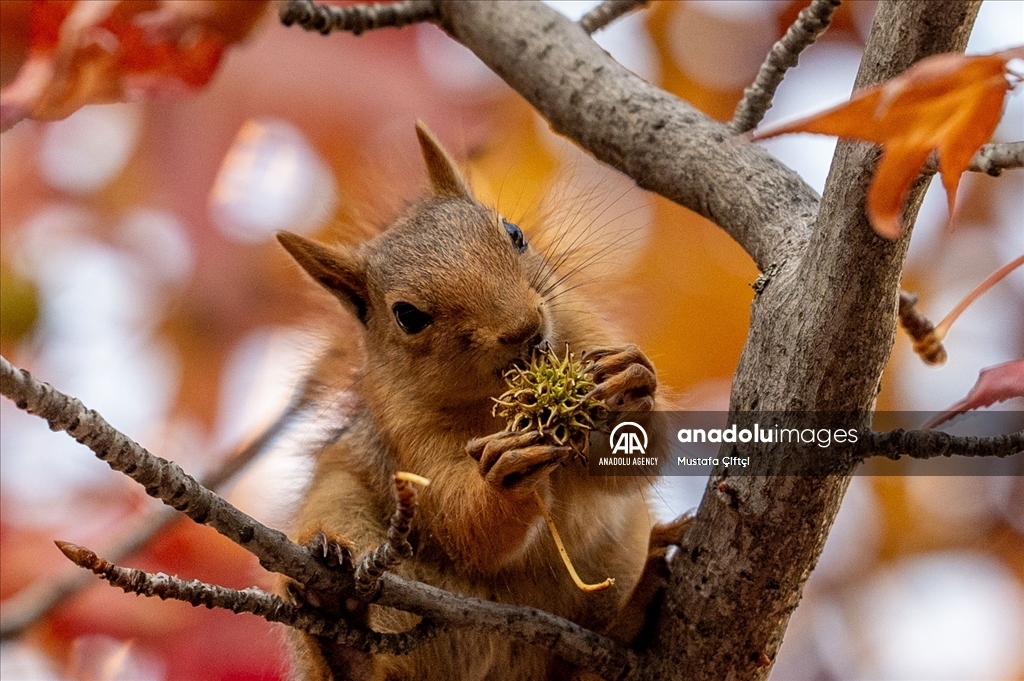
{"points": [[926, 337], [921, 331], [931, 444], [995, 158], [757, 99], [36, 601], [252, 600], [573, 643], [356, 18], [943, 327], [607, 12]]}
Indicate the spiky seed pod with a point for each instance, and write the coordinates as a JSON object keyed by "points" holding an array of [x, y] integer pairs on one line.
{"points": [[550, 396]]}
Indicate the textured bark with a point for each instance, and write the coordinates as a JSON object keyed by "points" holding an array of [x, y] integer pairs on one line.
{"points": [[821, 330], [820, 336], [657, 139]]}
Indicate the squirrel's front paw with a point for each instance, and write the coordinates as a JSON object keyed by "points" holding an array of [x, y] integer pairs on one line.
{"points": [[516, 461], [624, 376]]}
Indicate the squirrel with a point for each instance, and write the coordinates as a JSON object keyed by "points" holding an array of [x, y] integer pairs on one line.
{"points": [[448, 298]]}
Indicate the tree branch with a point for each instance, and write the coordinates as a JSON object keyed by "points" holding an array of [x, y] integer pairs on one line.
{"points": [[921, 330], [820, 336], [573, 643], [607, 12], [356, 18], [991, 159], [36, 601], [660, 141], [931, 444], [252, 600], [757, 99], [166, 481], [657, 139]]}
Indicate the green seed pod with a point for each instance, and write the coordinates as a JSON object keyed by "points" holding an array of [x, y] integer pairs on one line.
{"points": [[550, 396]]}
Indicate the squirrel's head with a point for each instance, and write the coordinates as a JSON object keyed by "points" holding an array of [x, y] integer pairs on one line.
{"points": [[447, 295]]}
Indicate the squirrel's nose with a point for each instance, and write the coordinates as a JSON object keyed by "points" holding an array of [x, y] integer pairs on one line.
{"points": [[529, 329]]}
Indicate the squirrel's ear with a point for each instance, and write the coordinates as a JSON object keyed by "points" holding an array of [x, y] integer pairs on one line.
{"points": [[335, 270], [444, 175]]}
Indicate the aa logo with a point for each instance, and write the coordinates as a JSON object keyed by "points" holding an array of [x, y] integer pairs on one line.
{"points": [[628, 438]]}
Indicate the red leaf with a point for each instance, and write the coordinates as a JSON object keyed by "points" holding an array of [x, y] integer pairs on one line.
{"points": [[83, 52], [994, 384]]}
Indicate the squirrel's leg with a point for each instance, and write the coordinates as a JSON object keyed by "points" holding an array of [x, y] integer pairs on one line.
{"points": [[315, 658], [632, 623]]}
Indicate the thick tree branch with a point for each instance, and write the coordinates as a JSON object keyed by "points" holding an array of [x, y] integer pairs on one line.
{"points": [[356, 18], [607, 12], [757, 99], [657, 139], [820, 336], [166, 481], [932, 444], [252, 600]]}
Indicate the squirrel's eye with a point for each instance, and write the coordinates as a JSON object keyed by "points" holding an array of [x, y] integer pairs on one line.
{"points": [[515, 235], [410, 318]]}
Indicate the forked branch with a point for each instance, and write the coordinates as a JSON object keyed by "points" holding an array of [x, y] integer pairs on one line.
{"points": [[33, 603], [166, 481], [252, 600]]}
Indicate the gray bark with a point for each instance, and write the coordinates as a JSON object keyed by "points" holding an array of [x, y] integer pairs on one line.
{"points": [[821, 332]]}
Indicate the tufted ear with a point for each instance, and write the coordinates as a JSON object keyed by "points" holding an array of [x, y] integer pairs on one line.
{"points": [[444, 175], [334, 269]]}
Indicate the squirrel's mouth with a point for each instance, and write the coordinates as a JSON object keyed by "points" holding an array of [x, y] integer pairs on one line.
{"points": [[517, 363], [524, 358]]}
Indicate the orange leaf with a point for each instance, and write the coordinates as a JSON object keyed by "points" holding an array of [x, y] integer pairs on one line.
{"points": [[89, 51], [948, 102]]}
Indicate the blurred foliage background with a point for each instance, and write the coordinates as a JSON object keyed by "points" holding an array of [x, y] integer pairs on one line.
{"points": [[138, 272]]}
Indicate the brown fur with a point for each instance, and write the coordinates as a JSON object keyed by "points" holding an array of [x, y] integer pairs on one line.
{"points": [[421, 398]]}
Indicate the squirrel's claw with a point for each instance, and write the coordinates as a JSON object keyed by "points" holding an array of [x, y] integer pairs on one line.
{"points": [[488, 449], [625, 378], [521, 469], [605, 361], [515, 460], [332, 551]]}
